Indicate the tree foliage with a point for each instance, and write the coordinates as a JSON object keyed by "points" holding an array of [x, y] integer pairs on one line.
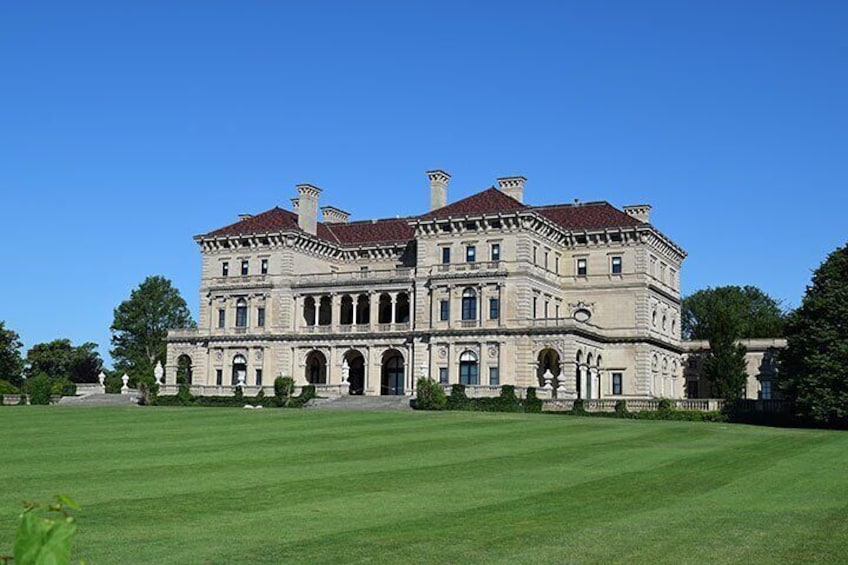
{"points": [[141, 325], [60, 360], [814, 365], [11, 362], [724, 366], [751, 312]]}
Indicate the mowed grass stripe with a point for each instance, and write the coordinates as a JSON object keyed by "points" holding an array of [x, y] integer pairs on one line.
{"points": [[214, 485]]}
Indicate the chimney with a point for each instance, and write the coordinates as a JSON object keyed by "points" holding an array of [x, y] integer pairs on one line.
{"points": [[243, 217], [294, 202], [513, 187], [438, 188], [641, 212], [333, 215], [307, 207]]}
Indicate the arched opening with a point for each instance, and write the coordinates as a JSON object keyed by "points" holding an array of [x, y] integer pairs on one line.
{"points": [[363, 309], [469, 369], [578, 374], [393, 373], [309, 311], [183, 369], [325, 311], [590, 376], [548, 361], [241, 313], [356, 372], [469, 304], [316, 368], [239, 370], [346, 314], [402, 308], [384, 311]]}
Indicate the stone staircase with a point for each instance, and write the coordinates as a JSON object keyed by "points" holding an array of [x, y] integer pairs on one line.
{"points": [[100, 400], [361, 403]]}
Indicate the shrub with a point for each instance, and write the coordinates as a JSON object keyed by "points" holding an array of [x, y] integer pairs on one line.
{"points": [[430, 395], [45, 532], [148, 390], [64, 388], [283, 390], [664, 405], [579, 407], [621, 408], [307, 393], [113, 383], [457, 399], [532, 403], [40, 389], [238, 394], [8, 388], [184, 395]]}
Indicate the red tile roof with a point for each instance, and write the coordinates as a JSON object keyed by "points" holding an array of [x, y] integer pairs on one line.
{"points": [[589, 216], [490, 201]]}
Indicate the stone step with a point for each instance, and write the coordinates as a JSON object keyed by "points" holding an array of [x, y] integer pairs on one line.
{"points": [[100, 400], [361, 403]]}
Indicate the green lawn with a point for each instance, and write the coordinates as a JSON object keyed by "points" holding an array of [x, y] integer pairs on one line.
{"points": [[228, 485]]}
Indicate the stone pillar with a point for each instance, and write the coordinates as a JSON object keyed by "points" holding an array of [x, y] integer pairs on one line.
{"points": [[355, 302], [298, 312], [584, 385], [335, 310], [393, 296], [374, 307]]}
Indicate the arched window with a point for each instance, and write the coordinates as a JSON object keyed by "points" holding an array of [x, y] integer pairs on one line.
{"points": [[239, 369], [469, 304], [241, 313], [469, 370]]}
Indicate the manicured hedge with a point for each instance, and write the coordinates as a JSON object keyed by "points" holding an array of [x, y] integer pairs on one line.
{"points": [[457, 400], [185, 398]]}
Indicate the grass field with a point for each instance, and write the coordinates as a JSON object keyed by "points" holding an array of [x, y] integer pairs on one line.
{"points": [[227, 485]]}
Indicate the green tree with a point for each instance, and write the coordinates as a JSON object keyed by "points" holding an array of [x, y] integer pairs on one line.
{"points": [[11, 362], [750, 311], [60, 360], [814, 365], [141, 325], [724, 365]]}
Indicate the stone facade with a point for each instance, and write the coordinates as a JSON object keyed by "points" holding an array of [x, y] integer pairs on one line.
{"points": [[485, 291], [761, 357]]}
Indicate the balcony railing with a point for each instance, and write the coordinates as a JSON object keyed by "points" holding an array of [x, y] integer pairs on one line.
{"points": [[318, 279]]}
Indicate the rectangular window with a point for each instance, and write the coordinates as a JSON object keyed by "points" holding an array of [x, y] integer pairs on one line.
{"points": [[245, 268], [582, 267], [615, 265], [494, 377], [616, 383], [258, 377], [496, 252], [556, 264], [263, 266], [494, 308], [443, 375], [445, 255], [556, 313], [260, 317], [546, 260], [535, 303], [765, 392], [692, 389], [219, 377], [470, 254], [546, 309], [222, 317], [444, 310], [535, 251], [225, 269]]}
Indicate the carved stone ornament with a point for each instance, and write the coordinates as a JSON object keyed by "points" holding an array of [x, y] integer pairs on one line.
{"points": [[493, 351], [219, 355], [581, 311], [443, 352], [258, 355]]}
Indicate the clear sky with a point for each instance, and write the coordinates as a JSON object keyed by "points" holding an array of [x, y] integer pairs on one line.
{"points": [[128, 127]]}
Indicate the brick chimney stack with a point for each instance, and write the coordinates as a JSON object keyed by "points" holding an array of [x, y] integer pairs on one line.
{"points": [[307, 208], [513, 187], [438, 188]]}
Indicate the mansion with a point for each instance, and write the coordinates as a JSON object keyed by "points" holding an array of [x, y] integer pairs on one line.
{"points": [[581, 299]]}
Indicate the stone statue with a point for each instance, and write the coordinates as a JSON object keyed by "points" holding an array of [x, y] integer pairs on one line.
{"points": [[159, 373], [345, 372], [125, 389]]}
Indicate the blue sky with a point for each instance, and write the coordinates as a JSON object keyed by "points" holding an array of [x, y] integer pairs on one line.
{"points": [[128, 127]]}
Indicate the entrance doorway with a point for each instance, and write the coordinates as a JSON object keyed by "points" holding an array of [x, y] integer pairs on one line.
{"points": [[393, 374], [356, 372]]}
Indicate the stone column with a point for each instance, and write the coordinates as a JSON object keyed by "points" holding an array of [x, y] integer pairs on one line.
{"points": [[584, 385], [298, 311], [393, 296], [480, 302], [374, 307], [335, 310], [355, 303]]}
